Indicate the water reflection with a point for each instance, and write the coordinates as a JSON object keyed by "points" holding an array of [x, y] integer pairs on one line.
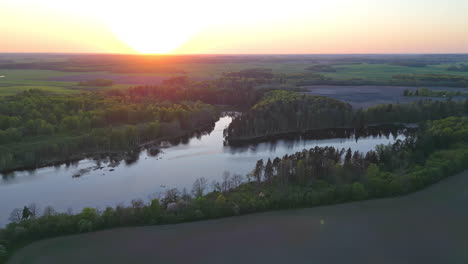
{"points": [[112, 179], [318, 137]]}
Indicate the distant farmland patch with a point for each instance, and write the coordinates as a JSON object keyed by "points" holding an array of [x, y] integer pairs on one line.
{"points": [[366, 96], [115, 78]]}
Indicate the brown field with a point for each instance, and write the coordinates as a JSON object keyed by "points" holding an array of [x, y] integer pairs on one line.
{"points": [[424, 227]]}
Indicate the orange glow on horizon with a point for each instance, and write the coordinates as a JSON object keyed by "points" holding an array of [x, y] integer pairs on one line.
{"points": [[240, 27]]}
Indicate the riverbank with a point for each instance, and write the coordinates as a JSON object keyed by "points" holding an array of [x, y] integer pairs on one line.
{"points": [[116, 155], [423, 227], [327, 133]]}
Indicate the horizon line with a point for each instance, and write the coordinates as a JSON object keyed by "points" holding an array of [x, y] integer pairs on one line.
{"points": [[233, 54]]}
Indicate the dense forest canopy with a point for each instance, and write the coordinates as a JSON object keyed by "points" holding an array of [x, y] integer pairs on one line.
{"points": [[37, 128], [282, 112]]}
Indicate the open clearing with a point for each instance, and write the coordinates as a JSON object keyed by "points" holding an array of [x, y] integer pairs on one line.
{"points": [[424, 227]]}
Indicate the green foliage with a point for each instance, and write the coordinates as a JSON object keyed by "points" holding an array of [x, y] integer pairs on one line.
{"points": [[433, 79], [38, 128], [358, 192], [283, 112], [425, 92]]}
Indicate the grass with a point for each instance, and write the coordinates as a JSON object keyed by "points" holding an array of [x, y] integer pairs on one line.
{"points": [[379, 72], [16, 81]]}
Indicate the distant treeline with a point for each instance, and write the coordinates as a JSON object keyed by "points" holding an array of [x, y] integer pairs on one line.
{"points": [[410, 63], [242, 88], [425, 92], [441, 80], [120, 63], [458, 68], [321, 68], [283, 112]]}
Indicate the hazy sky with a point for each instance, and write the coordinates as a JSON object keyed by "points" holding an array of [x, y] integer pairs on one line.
{"points": [[240, 26]]}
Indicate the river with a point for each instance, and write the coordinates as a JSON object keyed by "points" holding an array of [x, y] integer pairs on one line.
{"points": [[149, 176]]}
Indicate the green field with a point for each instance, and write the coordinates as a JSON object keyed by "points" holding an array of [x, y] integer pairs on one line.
{"points": [[379, 72], [16, 81]]}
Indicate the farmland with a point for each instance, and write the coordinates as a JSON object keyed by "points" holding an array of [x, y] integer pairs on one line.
{"points": [[60, 73]]}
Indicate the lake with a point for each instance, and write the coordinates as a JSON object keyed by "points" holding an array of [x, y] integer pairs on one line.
{"points": [[178, 166]]}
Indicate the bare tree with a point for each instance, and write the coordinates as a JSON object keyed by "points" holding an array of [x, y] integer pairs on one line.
{"points": [[137, 203], [33, 209], [70, 211], [216, 186], [171, 196], [16, 215], [237, 180], [199, 186], [226, 184], [185, 195], [48, 211]]}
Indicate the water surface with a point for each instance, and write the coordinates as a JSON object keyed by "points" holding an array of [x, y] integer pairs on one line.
{"points": [[149, 176]]}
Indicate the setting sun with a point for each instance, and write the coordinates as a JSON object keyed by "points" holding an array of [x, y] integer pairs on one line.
{"points": [[154, 29], [150, 39]]}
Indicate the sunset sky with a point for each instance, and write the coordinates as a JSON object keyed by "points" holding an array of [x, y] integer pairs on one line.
{"points": [[240, 27]]}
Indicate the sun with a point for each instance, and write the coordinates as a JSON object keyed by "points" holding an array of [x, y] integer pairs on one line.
{"points": [[147, 39], [153, 28]]}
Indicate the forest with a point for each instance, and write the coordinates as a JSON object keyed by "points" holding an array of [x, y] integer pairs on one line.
{"points": [[37, 128], [317, 176], [283, 112]]}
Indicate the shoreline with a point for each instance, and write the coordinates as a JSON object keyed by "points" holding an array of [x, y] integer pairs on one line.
{"points": [[119, 154], [337, 132]]}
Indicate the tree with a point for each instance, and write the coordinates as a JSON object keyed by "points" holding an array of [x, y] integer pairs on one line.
{"points": [[269, 171], [226, 184], [48, 211], [301, 172], [16, 215], [171, 196], [26, 213], [257, 172], [358, 192], [348, 156], [237, 180], [89, 214], [199, 186]]}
